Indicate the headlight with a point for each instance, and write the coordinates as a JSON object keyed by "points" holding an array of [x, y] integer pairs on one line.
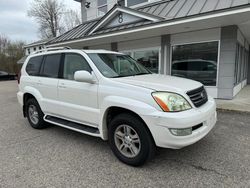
{"points": [[171, 102]]}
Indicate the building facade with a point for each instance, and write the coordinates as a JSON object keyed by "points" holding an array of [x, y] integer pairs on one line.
{"points": [[35, 46], [204, 40]]}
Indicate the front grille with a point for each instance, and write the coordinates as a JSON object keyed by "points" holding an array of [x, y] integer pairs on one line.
{"points": [[198, 96]]}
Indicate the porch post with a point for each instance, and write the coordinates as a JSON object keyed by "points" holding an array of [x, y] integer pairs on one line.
{"points": [[165, 55], [227, 62]]}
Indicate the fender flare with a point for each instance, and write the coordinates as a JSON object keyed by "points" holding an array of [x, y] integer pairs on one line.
{"points": [[35, 93], [135, 106]]}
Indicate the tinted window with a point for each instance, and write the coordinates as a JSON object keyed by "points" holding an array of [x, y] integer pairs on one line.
{"points": [[33, 66], [73, 63], [51, 66]]}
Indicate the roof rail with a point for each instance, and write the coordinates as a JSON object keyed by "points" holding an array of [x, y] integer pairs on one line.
{"points": [[51, 49]]}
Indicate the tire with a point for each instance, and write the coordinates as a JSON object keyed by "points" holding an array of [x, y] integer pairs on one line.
{"points": [[38, 122], [132, 152]]}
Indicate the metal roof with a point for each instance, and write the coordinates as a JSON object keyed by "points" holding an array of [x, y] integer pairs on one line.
{"points": [[76, 33], [37, 43], [170, 10]]}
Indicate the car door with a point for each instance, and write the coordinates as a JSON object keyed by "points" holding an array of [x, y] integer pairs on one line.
{"points": [[78, 100], [47, 83]]}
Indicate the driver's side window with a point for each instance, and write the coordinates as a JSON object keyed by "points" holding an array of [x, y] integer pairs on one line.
{"points": [[73, 63]]}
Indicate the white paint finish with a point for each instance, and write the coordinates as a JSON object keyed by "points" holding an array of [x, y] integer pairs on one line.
{"points": [[240, 38], [212, 91], [139, 44], [82, 101], [197, 36], [237, 89], [33, 49], [244, 83]]}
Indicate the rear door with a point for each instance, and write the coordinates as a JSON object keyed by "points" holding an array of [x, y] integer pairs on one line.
{"points": [[48, 83], [78, 100]]}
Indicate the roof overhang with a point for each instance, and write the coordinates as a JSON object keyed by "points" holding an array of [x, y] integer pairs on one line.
{"points": [[238, 16]]}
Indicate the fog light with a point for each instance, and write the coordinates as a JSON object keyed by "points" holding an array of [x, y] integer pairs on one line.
{"points": [[181, 132]]}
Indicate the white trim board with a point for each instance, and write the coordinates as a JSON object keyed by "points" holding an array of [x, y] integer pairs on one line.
{"points": [[116, 11]]}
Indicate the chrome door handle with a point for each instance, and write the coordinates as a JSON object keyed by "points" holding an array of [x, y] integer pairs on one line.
{"points": [[62, 85], [39, 82]]}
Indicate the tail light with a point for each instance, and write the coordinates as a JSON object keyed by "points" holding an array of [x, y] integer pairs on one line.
{"points": [[19, 77]]}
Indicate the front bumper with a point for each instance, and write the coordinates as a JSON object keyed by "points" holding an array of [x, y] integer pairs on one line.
{"points": [[159, 124]]}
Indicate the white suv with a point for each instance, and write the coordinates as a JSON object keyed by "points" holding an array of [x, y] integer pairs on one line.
{"points": [[109, 95]]}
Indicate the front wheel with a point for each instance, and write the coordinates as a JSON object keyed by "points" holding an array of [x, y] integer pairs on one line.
{"points": [[130, 140]]}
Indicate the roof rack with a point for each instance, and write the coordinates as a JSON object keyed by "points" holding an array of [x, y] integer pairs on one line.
{"points": [[52, 49]]}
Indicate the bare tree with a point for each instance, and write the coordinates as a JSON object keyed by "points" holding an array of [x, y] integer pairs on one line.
{"points": [[71, 18], [48, 13], [10, 53], [4, 42]]}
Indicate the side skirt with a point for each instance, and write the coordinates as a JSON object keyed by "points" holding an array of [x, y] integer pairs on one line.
{"points": [[85, 129]]}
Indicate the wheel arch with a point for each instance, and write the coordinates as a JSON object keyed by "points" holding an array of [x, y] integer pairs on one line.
{"points": [[28, 94], [112, 112]]}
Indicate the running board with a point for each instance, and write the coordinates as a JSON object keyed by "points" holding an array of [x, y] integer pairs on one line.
{"points": [[72, 125]]}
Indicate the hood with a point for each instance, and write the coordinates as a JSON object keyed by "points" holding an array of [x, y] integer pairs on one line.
{"points": [[159, 82]]}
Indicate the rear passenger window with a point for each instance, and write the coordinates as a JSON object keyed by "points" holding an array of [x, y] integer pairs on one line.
{"points": [[73, 63], [51, 66], [33, 66]]}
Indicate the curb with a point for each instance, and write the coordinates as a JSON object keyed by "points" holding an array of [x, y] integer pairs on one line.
{"points": [[232, 110]]}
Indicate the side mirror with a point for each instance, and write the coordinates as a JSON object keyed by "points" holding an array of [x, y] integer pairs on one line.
{"points": [[84, 76]]}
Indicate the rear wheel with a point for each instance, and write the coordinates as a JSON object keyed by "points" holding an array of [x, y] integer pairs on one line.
{"points": [[130, 140], [35, 114]]}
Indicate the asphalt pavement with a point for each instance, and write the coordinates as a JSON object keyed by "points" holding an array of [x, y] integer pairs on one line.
{"points": [[57, 157]]}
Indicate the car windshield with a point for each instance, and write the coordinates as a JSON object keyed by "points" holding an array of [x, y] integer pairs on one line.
{"points": [[117, 65]]}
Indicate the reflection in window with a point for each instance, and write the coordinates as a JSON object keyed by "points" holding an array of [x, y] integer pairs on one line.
{"points": [[148, 58], [102, 7], [73, 63], [196, 61]]}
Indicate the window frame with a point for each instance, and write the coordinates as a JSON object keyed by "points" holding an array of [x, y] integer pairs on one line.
{"points": [[199, 42], [61, 71], [132, 52], [139, 4], [43, 62], [101, 6], [39, 70]]}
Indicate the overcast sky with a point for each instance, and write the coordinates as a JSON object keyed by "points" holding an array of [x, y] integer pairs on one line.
{"points": [[15, 23]]}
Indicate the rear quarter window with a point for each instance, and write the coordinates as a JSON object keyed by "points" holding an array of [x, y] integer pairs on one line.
{"points": [[51, 66], [33, 66]]}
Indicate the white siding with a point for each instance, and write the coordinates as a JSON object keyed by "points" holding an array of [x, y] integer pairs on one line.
{"points": [[197, 36], [101, 47], [139, 44]]}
